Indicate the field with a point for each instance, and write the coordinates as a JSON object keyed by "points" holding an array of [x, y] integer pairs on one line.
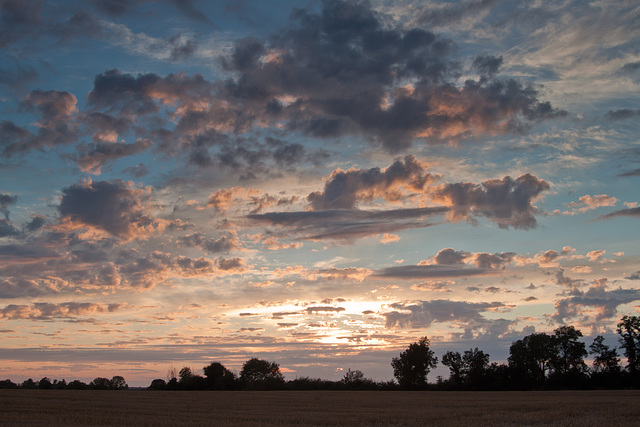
{"points": [[319, 408]]}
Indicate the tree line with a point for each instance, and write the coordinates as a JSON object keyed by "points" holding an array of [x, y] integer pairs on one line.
{"points": [[537, 361]]}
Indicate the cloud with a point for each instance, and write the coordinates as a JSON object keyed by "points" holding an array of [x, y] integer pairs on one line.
{"points": [[210, 245], [323, 309], [345, 70], [344, 189], [622, 114], [92, 158], [18, 18], [429, 272], [346, 224], [422, 314], [587, 203], [56, 124], [118, 207], [632, 212], [49, 311], [433, 286], [595, 304], [7, 200], [634, 276], [507, 202]]}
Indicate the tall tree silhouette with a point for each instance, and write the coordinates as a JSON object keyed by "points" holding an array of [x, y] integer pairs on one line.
{"points": [[413, 365], [629, 331]]}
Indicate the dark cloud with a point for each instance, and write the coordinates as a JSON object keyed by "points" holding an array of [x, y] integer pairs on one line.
{"points": [[56, 125], [429, 272], [422, 314], [487, 65], [345, 188], [634, 276], [595, 304], [450, 256], [635, 172], [130, 95], [18, 18], [563, 280], [116, 207], [7, 200], [7, 229], [346, 224], [346, 71], [19, 287], [121, 7], [210, 245], [92, 158], [632, 212], [507, 202], [622, 114], [49, 311], [630, 67], [492, 261]]}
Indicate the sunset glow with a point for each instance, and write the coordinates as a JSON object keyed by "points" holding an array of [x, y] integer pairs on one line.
{"points": [[317, 184]]}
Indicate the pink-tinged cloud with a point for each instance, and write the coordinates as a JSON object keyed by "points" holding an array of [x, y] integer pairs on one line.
{"points": [[345, 189], [507, 202], [49, 311]]}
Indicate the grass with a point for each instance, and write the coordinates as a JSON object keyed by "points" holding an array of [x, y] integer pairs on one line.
{"points": [[318, 408]]}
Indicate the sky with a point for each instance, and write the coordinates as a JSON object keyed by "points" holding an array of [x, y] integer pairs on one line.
{"points": [[315, 183]]}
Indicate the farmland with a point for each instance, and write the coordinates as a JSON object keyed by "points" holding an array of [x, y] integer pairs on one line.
{"points": [[328, 408]]}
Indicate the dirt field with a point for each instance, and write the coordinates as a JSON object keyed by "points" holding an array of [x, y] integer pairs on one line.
{"points": [[319, 408]]}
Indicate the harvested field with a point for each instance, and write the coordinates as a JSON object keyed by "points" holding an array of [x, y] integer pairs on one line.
{"points": [[319, 408]]}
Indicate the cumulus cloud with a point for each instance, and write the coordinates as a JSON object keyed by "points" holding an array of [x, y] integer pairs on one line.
{"points": [[595, 304], [92, 158], [56, 124], [421, 314], [344, 70], [117, 207], [507, 202], [344, 189], [587, 203]]}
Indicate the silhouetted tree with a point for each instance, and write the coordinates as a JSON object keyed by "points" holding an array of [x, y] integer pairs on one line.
{"points": [[453, 360], [355, 380], [568, 352], [606, 359], [100, 383], [45, 384], [530, 359], [118, 383], [475, 363], [260, 374], [219, 377], [629, 331], [29, 384], [8, 384], [77, 385], [158, 384], [413, 365]]}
